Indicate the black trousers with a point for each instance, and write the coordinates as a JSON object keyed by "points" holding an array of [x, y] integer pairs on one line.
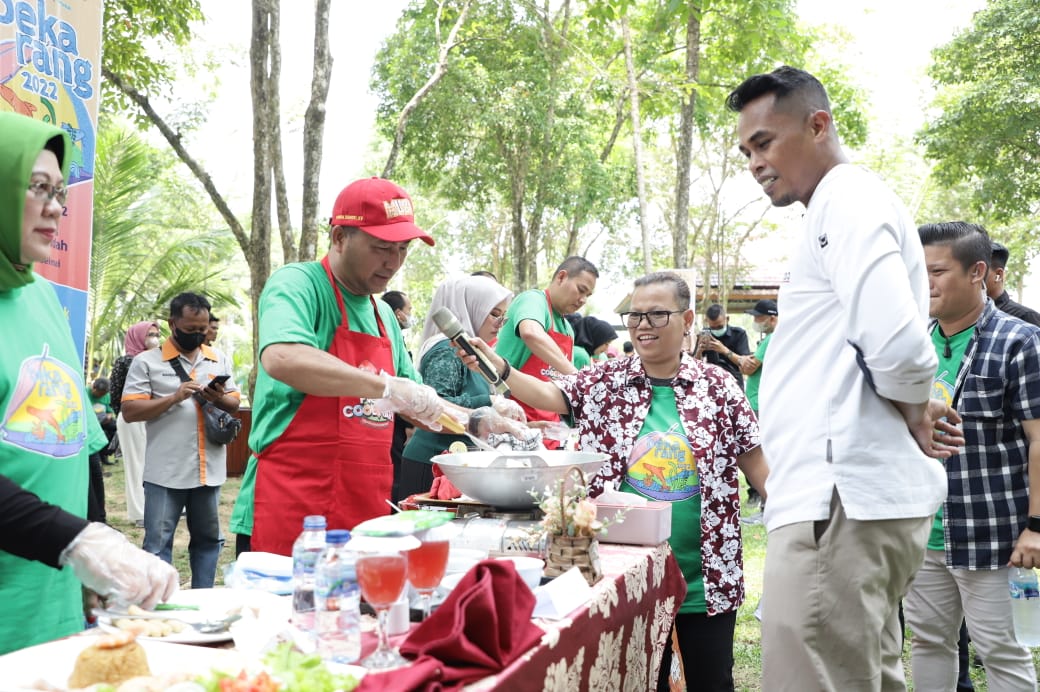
{"points": [[96, 491], [416, 477], [706, 646]]}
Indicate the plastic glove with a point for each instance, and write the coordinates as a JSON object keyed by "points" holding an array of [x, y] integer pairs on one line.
{"points": [[417, 401], [508, 408], [109, 565], [489, 425]]}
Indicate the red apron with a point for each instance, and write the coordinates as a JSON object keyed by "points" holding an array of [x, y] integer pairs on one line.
{"points": [[536, 367], [334, 458]]}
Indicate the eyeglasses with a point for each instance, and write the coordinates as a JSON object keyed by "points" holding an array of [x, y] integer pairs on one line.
{"points": [[42, 190], [654, 318], [497, 320]]}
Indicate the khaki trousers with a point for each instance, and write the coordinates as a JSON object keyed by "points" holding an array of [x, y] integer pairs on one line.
{"points": [[830, 602], [938, 598]]}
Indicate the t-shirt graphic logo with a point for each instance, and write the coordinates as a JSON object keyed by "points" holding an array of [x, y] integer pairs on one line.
{"points": [[46, 411], [662, 467], [823, 240]]}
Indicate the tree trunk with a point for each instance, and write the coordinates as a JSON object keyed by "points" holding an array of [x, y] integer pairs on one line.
{"points": [[314, 132], [261, 67], [439, 70], [637, 141], [681, 226], [274, 134]]}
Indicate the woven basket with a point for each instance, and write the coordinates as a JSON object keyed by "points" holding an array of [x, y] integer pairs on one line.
{"points": [[573, 551]]}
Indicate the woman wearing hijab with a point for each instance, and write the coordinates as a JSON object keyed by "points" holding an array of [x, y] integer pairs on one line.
{"points": [[592, 336], [480, 305], [133, 439], [47, 428]]}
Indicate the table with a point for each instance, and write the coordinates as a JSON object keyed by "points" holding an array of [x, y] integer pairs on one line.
{"points": [[613, 642]]}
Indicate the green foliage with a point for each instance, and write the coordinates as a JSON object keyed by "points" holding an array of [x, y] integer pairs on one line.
{"points": [[135, 34], [988, 130], [146, 244]]}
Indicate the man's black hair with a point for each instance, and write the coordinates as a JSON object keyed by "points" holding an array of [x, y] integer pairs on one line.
{"points": [[999, 256], [969, 242], [196, 302], [714, 311], [394, 299], [785, 83], [575, 265]]}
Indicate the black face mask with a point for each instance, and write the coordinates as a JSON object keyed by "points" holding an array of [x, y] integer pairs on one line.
{"points": [[188, 341]]}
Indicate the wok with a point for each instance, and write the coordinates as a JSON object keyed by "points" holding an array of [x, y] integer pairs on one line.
{"points": [[510, 487]]}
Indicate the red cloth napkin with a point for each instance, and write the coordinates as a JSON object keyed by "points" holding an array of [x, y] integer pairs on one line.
{"points": [[442, 488], [482, 627]]}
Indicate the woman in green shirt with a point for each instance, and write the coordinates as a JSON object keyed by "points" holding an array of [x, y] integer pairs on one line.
{"points": [[480, 305]]}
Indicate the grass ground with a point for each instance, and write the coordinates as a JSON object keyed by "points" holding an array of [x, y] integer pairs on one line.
{"points": [[747, 650], [115, 506]]}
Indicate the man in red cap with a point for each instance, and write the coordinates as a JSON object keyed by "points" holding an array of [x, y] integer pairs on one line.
{"points": [[328, 349]]}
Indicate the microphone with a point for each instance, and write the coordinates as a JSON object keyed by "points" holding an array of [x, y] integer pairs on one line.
{"points": [[450, 327]]}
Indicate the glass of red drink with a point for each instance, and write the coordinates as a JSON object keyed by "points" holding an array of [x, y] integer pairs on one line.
{"points": [[426, 566], [381, 576]]}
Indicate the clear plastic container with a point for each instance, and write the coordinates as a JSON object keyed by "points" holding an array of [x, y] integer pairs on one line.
{"points": [[338, 601], [1025, 605], [307, 550]]}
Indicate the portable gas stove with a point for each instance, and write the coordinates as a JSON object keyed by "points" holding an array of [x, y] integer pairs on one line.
{"points": [[486, 528]]}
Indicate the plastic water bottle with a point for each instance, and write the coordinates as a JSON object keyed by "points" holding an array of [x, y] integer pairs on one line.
{"points": [[338, 601], [1025, 605], [306, 551]]}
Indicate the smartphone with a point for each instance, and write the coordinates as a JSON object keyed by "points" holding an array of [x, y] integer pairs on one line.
{"points": [[219, 379], [705, 332]]}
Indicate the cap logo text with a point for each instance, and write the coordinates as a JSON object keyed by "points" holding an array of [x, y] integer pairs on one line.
{"points": [[398, 207]]}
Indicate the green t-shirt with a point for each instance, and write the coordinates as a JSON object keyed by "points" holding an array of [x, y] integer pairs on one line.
{"points": [[298, 306], [529, 305], [754, 379], [662, 467], [102, 404], [580, 357], [942, 389], [47, 431]]}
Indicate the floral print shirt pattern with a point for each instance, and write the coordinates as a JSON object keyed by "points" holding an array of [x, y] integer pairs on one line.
{"points": [[609, 403]]}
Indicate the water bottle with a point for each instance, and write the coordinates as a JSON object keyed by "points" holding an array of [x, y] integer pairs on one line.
{"points": [[1025, 605], [305, 553], [338, 601]]}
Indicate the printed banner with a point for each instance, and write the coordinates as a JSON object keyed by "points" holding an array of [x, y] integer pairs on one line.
{"points": [[50, 67]]}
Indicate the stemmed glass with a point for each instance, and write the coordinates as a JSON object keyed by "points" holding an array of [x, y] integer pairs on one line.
{"points": [[381, 576], [427, 564]]}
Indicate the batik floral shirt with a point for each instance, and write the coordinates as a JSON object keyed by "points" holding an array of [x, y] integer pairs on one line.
{"points": [[609, 403]]}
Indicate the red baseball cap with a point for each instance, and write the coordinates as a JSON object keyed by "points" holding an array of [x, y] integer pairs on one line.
{"points": [[379, 208]]}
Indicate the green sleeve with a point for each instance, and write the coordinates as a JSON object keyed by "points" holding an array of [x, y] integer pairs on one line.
{"points": [[443, 371], [529, 305]]}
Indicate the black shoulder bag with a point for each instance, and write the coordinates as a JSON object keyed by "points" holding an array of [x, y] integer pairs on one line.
{"points": [[221, 427]]}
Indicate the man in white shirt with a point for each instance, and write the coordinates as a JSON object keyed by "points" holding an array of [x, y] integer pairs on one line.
{"points": [[848, 429]]}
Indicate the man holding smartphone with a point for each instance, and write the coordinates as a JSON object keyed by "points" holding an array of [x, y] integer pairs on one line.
{"points": [[721, 344], [183, 470]]}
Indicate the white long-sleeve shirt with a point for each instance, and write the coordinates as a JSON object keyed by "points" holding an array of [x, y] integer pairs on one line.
{"points": [[857, 280]]}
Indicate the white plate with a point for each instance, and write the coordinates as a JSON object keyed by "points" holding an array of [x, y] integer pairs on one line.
{"points": [[52, 662], [214, 604]]}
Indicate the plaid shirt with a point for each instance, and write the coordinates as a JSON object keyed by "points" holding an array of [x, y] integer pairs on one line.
{"points": [[997, 387]]}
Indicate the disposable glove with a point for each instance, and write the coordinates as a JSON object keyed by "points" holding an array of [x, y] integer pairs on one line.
{"points": [[117, 571], [414, 400], [508, 408]]}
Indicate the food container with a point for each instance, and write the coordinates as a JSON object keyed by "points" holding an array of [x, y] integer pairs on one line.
{"points": [[510, 487], [647, 525]]}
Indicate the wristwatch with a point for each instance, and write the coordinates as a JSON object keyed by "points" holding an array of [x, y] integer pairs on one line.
{"points": [[1033, 523]]}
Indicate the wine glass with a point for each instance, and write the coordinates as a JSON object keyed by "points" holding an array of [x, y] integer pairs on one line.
{"points": [[381, 576], [427, 564]]}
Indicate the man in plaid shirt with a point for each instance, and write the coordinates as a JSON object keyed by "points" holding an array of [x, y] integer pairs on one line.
{"points": [[991, 517]]}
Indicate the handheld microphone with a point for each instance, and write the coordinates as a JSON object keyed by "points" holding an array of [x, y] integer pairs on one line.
{"points": [[450, 327]]}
